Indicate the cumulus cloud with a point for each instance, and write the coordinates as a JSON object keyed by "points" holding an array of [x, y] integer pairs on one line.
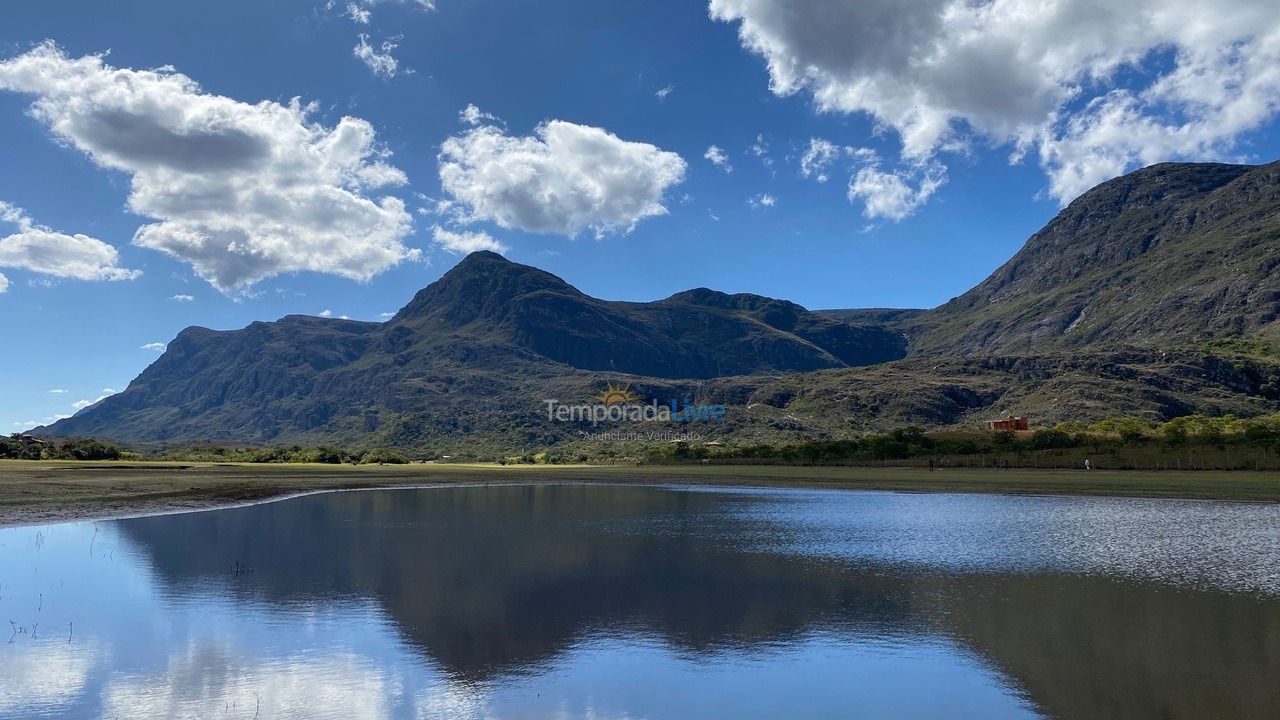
{"points": [[1095, 88], [58, 391], [41, 250], [325, 313], [466, 242], [183, 298], [241, 192], [763, 200], [718, 158], [155, 346], [4, 283], [891, 195], [563, 179], [381, 63]]}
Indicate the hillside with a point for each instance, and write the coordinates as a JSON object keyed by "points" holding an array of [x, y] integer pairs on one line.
{"points": [[1168, 256]]}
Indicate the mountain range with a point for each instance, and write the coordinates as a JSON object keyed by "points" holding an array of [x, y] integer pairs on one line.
{"points": [[1153, 294]]}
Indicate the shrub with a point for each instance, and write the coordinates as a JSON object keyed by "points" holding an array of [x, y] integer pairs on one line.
{"points": [[88, 449]]}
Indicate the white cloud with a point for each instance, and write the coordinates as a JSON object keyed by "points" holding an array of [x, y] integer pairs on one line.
{"points": [[4, 283], [158, 347], [41, 250], [472, 115], [763, 200], [82, 404], [815, 160], [563, 179], [183, 298], [109, 391], [386, 315], [718, 158], [325, 313], [662, 93], [241, 192], [357, 13], [1095, 87], [890, 194], [58, 391], [466, 242], [822, 154], [383, 64], [760, 148], [361, 11]]}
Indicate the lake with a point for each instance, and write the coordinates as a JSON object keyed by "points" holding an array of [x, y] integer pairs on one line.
{"points": [[602, 601]]}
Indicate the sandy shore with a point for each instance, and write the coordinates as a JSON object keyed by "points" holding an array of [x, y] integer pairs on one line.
{"points": [[45, 492]]}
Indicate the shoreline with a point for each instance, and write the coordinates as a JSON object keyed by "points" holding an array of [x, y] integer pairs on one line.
{"points": [[38, 492]]}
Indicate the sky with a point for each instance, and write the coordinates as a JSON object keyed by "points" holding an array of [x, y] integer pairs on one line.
{"points": [[168, 164]]}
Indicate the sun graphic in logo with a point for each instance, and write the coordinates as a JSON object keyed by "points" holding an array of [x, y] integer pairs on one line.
{"points": [[617, 395]]}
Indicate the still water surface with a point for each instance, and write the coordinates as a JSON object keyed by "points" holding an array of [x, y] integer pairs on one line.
{"points": [[649, 602]]}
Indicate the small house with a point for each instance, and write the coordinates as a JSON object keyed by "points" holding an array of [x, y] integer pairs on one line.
{"points": [[1018, 422]]}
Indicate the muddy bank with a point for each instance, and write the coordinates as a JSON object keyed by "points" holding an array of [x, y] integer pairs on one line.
{"points": [[45, 492]]}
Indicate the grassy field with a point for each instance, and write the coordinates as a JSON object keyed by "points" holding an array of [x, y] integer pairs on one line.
{"points": [[33, 492]]}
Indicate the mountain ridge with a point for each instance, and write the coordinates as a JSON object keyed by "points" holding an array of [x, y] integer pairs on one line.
{"points": [[1161, 263]]}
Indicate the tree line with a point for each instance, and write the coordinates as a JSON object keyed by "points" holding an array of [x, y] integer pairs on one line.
{"points": [[1192, 441]]}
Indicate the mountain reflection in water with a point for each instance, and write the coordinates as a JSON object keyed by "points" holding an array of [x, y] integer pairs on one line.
{"points": [[494, 587]]}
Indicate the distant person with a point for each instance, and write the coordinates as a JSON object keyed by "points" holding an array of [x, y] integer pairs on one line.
{"points": [[1087, 464], [930, 464]]}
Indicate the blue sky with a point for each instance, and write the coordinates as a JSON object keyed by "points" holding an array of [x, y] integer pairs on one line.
{"points": [[920, 199]]}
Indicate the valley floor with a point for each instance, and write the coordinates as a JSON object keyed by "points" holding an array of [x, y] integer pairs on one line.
{"points": [[44, 492]]}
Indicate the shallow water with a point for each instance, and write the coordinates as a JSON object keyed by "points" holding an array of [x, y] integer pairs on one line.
{"points": [[649, 602]]}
